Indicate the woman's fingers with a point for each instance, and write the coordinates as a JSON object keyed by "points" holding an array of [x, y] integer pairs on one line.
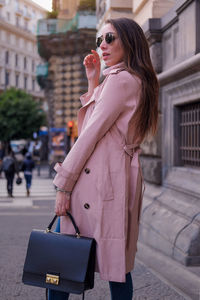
{"points": [[91, 59], [96, 55], [88, 59], [62, 203], [67, 205]]}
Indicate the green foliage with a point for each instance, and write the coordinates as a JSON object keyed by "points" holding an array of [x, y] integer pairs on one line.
{"points": [[87, 5], [52, 14], [20, 115]]}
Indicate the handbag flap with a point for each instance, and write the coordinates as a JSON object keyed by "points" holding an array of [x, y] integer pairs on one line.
{"points": [[59, 254]]}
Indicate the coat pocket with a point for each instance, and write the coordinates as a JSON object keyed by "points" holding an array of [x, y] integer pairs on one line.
{"points": [[105, 187]]}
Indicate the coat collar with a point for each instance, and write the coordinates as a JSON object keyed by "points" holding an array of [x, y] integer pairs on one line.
{"points": [[111, 70], [114, 69]]}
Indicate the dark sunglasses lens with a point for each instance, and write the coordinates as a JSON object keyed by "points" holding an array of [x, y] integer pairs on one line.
{"points": [[99, 41], [109, 38]]}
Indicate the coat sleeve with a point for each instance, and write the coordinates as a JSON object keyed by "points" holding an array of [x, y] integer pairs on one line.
{"points": [[113, 100]]}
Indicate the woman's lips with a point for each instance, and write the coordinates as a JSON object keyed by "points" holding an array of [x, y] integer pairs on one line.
{"points": [[105, 55]]}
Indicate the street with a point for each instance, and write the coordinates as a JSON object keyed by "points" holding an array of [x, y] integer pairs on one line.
{"points": [[20, 215]]}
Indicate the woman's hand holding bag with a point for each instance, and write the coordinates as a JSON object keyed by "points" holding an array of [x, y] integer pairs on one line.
{"points": [[62, 203]]}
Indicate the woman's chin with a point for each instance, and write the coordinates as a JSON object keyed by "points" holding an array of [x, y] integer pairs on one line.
{"points": [[108, 64]]}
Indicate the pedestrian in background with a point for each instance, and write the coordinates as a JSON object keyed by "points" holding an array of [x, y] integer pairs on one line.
{"points": [[100, 180], [2, 152], [36, 155], [27, 167], [10, 167]]}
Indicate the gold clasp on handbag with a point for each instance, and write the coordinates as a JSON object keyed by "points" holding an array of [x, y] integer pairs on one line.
{"points": [[52, 279]]}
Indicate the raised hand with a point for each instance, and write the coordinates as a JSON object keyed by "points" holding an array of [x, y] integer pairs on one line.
{"points": [[92, 68]]}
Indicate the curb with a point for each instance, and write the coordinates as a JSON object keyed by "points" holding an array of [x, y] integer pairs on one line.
{"points": [[177, 276]]}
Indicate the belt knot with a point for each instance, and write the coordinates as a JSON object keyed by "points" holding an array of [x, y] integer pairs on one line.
{"points": [[131, 149]]}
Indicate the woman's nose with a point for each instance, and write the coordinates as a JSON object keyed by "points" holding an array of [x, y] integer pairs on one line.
{"points": [[103, 44]]}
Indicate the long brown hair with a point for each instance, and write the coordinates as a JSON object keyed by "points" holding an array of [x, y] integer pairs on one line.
{"points": [[138, 62]]}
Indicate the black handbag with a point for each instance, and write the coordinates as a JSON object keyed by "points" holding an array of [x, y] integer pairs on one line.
{"points": [[60, 262], [18, 180]]}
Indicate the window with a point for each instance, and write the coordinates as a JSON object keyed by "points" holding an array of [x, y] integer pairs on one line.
{"points": [[51, 28], [33, 84], [25, 63], [25, 10], [17, 4], [7, 78], [25, 25], [8, 16], [8, 37], [34, 29], [17, 80], [190, 134], [33, 66], [7, 57], [17, 21], [16, 60], [25, 82]]}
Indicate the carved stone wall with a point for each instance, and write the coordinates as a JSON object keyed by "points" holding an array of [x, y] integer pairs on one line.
{"points": [[66, 73], [171, 212], [69, 83]]}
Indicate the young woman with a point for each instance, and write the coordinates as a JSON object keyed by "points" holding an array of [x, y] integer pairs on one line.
{"points": [[27, 167], [100, 180]]}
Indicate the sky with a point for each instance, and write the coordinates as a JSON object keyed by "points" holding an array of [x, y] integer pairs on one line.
{"points": [[44, 3]]}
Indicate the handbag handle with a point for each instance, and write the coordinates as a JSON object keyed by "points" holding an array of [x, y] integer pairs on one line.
{"points": [[72, 220]]}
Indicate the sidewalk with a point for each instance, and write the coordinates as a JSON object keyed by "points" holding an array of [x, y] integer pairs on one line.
{"points": [[42, 189], [155, 277]]}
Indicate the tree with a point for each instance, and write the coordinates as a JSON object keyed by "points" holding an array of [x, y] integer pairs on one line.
{"points": [[52, 14], [20, 115], [87, 5]]}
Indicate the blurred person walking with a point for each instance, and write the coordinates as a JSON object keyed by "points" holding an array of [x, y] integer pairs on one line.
{"points": [[10, 167], [27, 167], [2, 152]]}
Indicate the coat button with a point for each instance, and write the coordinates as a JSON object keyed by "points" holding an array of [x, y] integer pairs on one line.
{"points": [[87, 171], [86, 205]]}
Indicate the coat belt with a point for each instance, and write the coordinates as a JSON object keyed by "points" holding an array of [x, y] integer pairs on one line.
{"points": [[130, 149]]}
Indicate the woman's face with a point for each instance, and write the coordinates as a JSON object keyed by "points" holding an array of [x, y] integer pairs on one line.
{"points": [[113, 52]]}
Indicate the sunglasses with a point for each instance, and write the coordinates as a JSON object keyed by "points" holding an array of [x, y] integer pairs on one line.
{"points": [[109, 38]]}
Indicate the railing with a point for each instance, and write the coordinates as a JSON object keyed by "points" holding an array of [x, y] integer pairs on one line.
{"points": [[19, 11], [190, 135], [27, 15], [53, 26], [42, 70]]}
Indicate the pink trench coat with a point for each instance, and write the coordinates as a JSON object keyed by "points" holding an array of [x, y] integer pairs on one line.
{"points": [[102, 170]]}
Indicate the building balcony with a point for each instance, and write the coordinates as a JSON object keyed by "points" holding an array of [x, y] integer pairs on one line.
{"points": [[58, 36], [42, 73], [18, 11], [54, 26], [27, 16]]}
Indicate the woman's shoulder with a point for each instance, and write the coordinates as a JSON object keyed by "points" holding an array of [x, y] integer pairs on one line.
{"points": [[124, 78], [129, 77]]}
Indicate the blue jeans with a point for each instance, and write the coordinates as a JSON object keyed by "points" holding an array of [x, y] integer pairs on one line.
{"points": [[28, 178], [118, 290]]}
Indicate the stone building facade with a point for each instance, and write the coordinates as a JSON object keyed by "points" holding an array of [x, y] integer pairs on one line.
{"points": [[18, 45], [63, 44], [171, 159], [171, 211]]}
